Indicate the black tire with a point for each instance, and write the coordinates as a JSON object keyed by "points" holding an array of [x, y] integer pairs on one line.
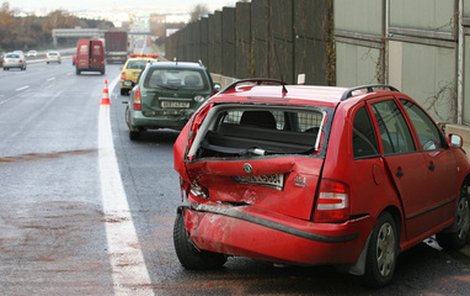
{"points": [[190, 257], [77, 71], [456, 236], [134, 132], [134, 135], [47, 63], [382, 252]]}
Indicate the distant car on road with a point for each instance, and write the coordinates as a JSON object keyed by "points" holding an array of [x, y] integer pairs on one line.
{"points": [[166, 95], [14, 60], [132, 69], [308, 175], [53, 56], [32, 53]]}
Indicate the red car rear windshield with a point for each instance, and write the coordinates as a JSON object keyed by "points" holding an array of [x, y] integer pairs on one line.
{"points": [[256, 130]]}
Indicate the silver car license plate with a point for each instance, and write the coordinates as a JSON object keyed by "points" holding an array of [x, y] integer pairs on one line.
{"points": [[175, 104]]}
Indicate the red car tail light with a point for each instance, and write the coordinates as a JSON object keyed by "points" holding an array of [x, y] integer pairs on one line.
{"points": [[332, 202], [137, 99], [123, 76]]}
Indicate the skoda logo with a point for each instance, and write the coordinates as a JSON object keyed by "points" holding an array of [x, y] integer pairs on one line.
{"points": [[248, 168]]}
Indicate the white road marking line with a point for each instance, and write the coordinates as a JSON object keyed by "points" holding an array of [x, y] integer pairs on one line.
{"points": [[6, 101], [10, 98], [22, 88], [130, 274], [50, 79]]}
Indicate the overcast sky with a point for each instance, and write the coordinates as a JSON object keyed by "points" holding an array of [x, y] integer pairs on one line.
{"points": [[156, 5]]}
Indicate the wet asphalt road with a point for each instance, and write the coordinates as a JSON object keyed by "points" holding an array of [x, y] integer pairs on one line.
{"points": [[52, 226]]}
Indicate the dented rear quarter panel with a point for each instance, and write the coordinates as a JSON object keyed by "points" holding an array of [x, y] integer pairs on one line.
{"points": [[372, 189]]}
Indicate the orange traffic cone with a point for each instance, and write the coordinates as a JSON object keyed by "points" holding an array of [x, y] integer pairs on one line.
{"points": [[105, 100]]}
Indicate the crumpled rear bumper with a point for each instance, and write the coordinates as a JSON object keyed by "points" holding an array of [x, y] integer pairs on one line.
{"points": [[245, 231]]}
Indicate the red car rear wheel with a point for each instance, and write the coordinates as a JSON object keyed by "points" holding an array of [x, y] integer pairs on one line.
{"points": [[189, 256]]}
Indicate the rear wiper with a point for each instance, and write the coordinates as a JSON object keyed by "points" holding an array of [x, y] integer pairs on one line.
{"points": [[167, 87]]}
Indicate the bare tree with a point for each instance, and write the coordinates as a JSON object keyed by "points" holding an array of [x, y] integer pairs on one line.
{"points": [[198, 11]]}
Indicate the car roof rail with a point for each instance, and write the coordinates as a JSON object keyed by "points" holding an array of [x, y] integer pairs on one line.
{"points": [[369, 88], [257, 81]]}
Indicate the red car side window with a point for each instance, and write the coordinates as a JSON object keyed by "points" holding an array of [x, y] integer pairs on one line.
{"points": [[364, 140], [394, 132], [428, 134]]}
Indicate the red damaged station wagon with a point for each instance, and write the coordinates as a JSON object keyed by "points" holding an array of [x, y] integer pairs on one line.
{"points": [[309, 175]]}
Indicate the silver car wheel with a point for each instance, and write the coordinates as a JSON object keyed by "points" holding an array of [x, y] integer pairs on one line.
{"points": [[463, 216], [385, 251]]}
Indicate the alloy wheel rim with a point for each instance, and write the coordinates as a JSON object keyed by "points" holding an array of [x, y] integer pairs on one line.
{"points": [[385, 251], [463, 216]]}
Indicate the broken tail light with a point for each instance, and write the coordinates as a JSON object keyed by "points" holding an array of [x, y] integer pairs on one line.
{"points": [[198, 191], [332, 202]]}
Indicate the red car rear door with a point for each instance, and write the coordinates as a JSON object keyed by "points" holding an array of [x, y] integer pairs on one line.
{"points": [[406, 165]]}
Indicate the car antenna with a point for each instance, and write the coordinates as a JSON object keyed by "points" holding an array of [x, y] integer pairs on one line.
{"points": [[283, 83]]}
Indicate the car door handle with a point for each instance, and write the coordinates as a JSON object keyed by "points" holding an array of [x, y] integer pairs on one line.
{"points": [[431, 166], [399, 172]]}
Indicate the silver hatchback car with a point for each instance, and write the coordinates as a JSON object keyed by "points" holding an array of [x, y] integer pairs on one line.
{"points": [[53, 57], [14, 60]]}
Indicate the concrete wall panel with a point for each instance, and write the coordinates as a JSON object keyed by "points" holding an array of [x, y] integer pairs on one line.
{"points": [[433, 15], [356, 65], [429, 76], [362, 16]]}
